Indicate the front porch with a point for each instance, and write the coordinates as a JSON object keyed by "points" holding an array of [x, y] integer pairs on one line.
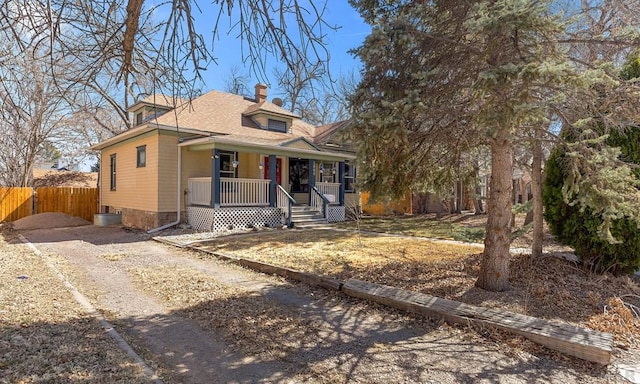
{"points": [[231, 184], [242, 203]]}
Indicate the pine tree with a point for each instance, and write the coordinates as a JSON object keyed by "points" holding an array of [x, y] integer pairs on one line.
{"points": [[443, 78]]}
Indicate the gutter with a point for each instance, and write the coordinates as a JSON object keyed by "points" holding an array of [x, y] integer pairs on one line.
{"points": [[178, 199]]}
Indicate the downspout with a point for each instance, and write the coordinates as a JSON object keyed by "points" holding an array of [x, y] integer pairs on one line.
{"points": [[178, 199], [100, 185]]}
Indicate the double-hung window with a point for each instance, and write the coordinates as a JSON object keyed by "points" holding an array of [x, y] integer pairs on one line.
{"points": [[141, 156], [328, 174], [349, 177], [228, 164]]}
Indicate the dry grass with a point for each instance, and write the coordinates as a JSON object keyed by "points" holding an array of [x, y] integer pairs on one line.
{"points": [[246, 320], [467, 227], [548, 288], [44, 334], [338, 253]]}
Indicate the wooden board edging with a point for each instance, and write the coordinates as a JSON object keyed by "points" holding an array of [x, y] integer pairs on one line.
{"points": [[583, 343], [575, 341]]}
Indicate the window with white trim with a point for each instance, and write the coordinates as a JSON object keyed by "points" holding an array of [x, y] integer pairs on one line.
{"points": [[141, 156], [349, 177], [227, 161], [328, 173]]}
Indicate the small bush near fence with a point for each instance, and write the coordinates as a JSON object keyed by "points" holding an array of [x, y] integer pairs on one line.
{"points": [[16, 203]]}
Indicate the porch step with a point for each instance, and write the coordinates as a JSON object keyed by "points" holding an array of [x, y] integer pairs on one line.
{"points": [[309, 224], [303, 216]]}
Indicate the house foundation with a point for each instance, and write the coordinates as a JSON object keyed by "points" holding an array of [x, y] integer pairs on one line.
{"points": [[146, 220]]}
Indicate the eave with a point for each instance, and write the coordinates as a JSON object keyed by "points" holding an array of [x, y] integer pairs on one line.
{"points": [[230, 144]]}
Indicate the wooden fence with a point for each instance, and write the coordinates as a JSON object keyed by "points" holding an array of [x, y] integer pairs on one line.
{"points": [[398, 206], [16, 203]]}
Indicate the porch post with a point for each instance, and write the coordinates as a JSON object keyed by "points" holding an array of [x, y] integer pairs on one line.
{"points": [[312, 177], [341, 181], [273, 177], [215, 178]]}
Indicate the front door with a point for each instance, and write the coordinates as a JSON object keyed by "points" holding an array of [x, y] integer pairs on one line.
{"points": [[278, 169]]}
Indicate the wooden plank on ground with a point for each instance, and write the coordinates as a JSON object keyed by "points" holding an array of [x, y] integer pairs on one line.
{"points": [[583, 343]]}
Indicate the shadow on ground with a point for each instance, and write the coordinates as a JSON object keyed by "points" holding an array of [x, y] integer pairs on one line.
{"points": [[320, 342]]}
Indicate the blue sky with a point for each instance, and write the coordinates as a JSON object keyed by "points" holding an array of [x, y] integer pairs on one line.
{"points": [[228, 54]]}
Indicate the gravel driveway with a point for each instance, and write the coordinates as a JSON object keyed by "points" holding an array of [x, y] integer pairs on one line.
{"points": [[353, 342]]}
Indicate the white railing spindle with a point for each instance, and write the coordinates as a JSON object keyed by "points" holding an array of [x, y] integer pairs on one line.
{"points": [[234, 192], [330, 191]]}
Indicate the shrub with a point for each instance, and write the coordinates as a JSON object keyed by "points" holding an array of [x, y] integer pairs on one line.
{"points": [[580, 229]]}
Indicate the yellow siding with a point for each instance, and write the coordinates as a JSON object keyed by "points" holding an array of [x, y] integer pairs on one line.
{"points": [[249, 167], [135, 187], [195, 164], [167, 158]]}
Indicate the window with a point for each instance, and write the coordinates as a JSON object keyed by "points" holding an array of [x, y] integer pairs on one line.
{"points": [[228, 164], [113, 171], [349, 177], [141, 156], [138, 118], [327, 173], [276, 125]]}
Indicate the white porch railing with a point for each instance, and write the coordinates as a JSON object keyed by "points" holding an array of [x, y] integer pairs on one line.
{"points": [[330, 190], [284, 202], [243, 192], [233, 192], [199, 191]]}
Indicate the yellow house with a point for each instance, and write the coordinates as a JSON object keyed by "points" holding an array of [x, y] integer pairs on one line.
{"points": [[223, 161]]}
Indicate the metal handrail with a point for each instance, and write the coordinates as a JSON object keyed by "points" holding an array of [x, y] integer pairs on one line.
{"points": [[325, 201], [290, 202]]}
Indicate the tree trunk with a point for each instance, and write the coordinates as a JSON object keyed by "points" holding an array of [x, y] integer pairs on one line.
{"points": [[458, 203], [494, 267], [477, 200], [536, 190]]}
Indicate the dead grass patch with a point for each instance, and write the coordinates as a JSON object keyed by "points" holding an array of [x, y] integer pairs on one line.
{"points": [[548, 288], [44, 334], [334, 253], [114, 256], [246, 320], [450, 227]]}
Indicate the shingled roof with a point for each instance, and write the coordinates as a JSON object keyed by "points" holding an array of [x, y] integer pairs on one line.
{"points": [[229, 114]]}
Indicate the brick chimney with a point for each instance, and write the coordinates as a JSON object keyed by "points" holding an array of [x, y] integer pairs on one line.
{"points": [[261, 93]]}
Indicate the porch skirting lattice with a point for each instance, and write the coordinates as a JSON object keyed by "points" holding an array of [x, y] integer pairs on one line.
{"points": [[335, 214], [220, 219]]}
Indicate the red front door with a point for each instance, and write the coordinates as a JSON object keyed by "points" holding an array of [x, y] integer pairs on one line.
{"points": [[278, 169]]}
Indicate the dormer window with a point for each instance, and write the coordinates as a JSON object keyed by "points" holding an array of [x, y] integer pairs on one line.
{"points": [[138, 118], [276, 125]]}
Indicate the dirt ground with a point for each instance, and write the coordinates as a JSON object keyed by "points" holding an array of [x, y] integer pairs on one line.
{"points": [[199, 320]]}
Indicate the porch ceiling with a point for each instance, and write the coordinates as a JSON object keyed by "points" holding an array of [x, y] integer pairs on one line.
{"points": [[229, 144]]}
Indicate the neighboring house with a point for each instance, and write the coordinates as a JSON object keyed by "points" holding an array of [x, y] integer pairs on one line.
{"points": [[224, 160], [64, 179]]}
